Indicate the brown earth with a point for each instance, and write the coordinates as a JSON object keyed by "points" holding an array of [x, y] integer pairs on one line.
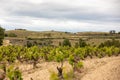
{"points": [[43, 71], [102, 69], [94, 69]]}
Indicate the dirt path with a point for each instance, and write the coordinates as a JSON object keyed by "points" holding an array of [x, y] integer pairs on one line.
{"points": [[43, 71], [102, 69], [94, 69]]}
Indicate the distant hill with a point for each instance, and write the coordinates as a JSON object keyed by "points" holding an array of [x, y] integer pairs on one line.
{"points": [[36, 34], [92, 33], [21, 36], [52, 34]]}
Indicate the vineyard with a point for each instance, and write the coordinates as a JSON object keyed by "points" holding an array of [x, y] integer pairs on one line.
{"points": [[10, 55], [59, 40]]}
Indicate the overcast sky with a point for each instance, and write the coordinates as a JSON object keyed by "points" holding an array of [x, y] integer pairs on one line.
{"points": [[60, 15]]}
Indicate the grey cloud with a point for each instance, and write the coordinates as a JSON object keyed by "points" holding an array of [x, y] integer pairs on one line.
{"points": [[53, 10]]}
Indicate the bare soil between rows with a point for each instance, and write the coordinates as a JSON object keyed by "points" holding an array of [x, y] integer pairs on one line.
{"points": [[107, 68]]}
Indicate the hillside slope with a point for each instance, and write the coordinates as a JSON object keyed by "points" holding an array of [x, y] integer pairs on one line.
{"points": [[103, 69], [94, 69], [36, 34]]}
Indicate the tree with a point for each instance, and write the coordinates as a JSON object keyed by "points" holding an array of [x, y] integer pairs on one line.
{"points": [[66, 42], [112, 32], [1, 35], [118, 32]]}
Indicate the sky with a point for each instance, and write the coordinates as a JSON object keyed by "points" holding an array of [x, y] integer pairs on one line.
{"points": [[60, 15]]}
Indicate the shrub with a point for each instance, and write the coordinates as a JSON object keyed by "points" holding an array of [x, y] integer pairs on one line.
{"points": [[14, 73], [66, 42], [67, 76], [54, 76], [109, 43], [82, 43], [12, 35]]}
